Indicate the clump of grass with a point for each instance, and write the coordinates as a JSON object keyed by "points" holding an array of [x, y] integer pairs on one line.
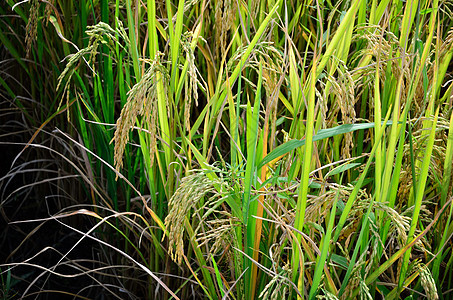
{"points": [[332, 123]]}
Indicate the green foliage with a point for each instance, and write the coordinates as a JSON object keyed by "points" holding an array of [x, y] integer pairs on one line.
{"points": [[240, 150]]}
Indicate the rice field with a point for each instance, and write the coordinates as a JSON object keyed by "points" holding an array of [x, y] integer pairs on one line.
{"points": [[226, 149]]}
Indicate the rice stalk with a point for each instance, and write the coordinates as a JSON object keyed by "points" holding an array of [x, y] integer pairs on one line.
{"points": [[141, 102]]}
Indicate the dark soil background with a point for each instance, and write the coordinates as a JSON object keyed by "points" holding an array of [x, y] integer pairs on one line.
{"points": [[22, 200]]}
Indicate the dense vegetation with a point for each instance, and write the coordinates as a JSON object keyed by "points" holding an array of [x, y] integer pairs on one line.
{"points": [[226, 149]]}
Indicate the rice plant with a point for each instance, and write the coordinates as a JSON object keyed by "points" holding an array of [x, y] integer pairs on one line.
{"points": [[227, 149]]}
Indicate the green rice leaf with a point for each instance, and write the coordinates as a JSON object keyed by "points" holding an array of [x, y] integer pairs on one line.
{"points": [[322, 134]]}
